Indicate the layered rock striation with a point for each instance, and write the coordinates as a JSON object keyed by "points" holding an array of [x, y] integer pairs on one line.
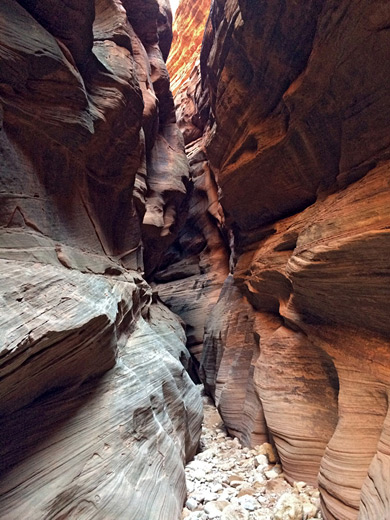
{"points": [[270, 240], [193, 270], [97, 409], [291, 109], [188, 29]]}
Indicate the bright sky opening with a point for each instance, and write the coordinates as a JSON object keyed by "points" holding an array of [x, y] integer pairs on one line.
{"points": [[174, 4]]}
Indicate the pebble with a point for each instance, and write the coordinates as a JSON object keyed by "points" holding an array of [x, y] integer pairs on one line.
{"points": [[249, 503], [288, 507], [235, 513], [267, 450], [227, 481], [272, 473], [191, 504], [261, 460]]}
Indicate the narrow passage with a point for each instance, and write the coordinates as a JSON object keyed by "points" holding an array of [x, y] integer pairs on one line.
{"points": [[228, 482]]}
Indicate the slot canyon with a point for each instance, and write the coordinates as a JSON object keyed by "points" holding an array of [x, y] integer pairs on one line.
{"points": [[191, 208]]}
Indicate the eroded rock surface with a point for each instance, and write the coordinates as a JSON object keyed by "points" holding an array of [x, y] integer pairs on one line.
{"points": [[78, 445], [188, 29], [291, 107], [283, 258], [193, 270], [97, 409]]}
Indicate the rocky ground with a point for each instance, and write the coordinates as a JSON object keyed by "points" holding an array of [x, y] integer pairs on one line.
{"points": [[228, 482]]}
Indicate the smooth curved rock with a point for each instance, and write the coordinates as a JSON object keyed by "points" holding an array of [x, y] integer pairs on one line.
{"points": [[98, 411], [69, 21], [86, 446], [192, 272], [230, 353], [316, 251], [293, 110]]}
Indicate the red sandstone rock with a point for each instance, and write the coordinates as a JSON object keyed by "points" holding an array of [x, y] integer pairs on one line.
{"points": [[188, 29], [299, 126], [286, 104], [69, 21], [292, 110], [230, 353], [194, 268]]}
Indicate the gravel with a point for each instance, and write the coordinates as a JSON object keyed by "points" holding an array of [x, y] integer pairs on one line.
{"points": [[226, 481]]}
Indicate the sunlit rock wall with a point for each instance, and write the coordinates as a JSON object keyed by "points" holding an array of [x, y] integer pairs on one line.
{"points": [[294, 110], [188, 29], [97, 409]]}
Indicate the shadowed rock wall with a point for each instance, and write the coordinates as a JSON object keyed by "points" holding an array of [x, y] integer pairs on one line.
{"points": [[97, 409]]}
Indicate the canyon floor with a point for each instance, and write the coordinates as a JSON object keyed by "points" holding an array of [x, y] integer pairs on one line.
{"points": [[227, 481]]}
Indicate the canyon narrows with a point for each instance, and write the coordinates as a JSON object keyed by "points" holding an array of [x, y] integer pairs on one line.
{"points": [[240, 234]]}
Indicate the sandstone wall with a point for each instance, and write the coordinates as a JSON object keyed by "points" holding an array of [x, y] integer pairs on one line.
{"points": [[188, 28], [193, 270], [97, 409], [294, 110]]}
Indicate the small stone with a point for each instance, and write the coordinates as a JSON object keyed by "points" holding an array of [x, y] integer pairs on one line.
{"points": [[288, 507], [309, 510], [270, 474], [235, 512], [209, 496], [246, 491], [236, 483], [226, 495], [214, 509], [267, 449], [299, 486], [191, 504], [274, 472], [198, 495], [190, 486], [277, 485], [249, 503], [211, 511], [234, 478], [259, 482], [227, 466], [261, 460], [215, 487], [199, 474]]}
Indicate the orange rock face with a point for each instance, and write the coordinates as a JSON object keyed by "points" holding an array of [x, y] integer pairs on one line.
{"points": [[188, 28], [293, 106]]}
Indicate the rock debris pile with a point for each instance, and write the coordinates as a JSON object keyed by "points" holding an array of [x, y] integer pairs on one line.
{"points": [[229, 482]]}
